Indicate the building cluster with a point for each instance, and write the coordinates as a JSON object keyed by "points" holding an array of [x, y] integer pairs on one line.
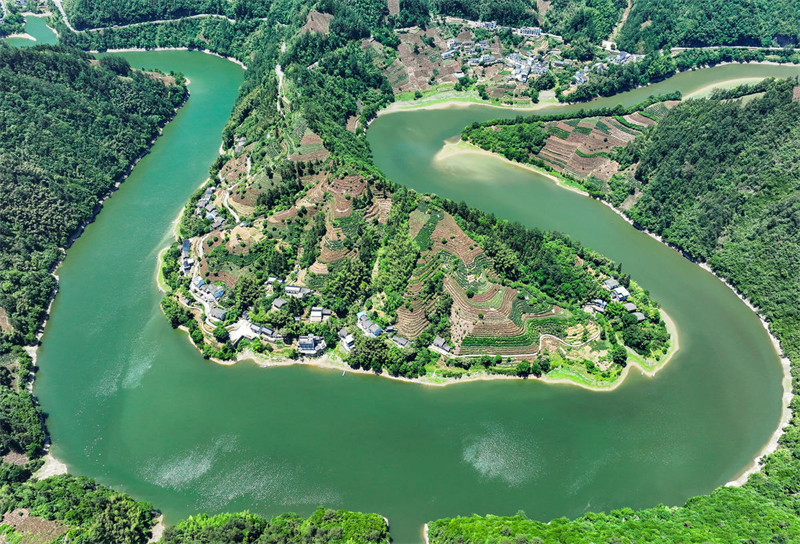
{"points": [[624, 58], [523, 66], [618, 294], [205, 207], [186, 261], [372, 330], [475, 50], [311, 344], [210, 294]]}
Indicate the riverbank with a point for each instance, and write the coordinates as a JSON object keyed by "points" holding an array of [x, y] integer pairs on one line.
{"points": [[22, 36], [460, 100], [51, 467], [333, 361], [786, 382], [461, 148], [148, 49]]}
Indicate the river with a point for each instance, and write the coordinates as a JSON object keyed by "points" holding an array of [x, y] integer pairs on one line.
{"points": [[132, 404]]}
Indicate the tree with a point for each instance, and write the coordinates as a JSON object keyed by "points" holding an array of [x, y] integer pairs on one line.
{"points": [[221, 333], [619, 355]]}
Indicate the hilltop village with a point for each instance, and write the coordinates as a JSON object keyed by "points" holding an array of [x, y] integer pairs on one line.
{"points": [[510, 65]]}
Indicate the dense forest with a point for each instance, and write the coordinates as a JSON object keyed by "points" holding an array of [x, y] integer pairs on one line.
{"points": [[654, 24], [589, 20], [721, 180], [72, 126], [324, 526]]}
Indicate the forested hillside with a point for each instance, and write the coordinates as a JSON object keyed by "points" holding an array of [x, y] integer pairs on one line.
{"points": [[721, 180], [72, 126], [653, 24], [323, 526]]}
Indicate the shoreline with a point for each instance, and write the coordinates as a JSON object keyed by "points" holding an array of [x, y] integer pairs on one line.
{"points": [[786, 413], [20, 35], [454, 102], [461, 147], [332, 361], [52, 465], [150, 49]]}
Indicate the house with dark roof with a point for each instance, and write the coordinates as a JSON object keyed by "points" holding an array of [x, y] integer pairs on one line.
{"points": [[278, 303], [639, 316], [218, 314], [296, 291], [630, 307], [441, 344], [401, 342], [610, 284], [370, 329]]}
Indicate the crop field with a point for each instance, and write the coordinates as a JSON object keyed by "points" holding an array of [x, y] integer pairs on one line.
{"points": [[448, 236], [423, 237]]}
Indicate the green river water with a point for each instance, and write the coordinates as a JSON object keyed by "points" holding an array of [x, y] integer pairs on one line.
{"points": [[132, 403]]}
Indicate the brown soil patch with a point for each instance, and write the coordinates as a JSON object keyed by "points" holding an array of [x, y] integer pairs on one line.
{"points": [[318, 268], [456, 241], [317, 22], [309, 138], [639, 119], [15, 458], [167, 80], [320, 155], [542, 6], [234, 170], [394, 7], [5, 324], [352, 123], [796, 94], [36, 530], [416, 221], [246, 236]]}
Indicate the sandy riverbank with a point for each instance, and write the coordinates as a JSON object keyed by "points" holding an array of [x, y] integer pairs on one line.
{"points": [[461, 148], [51, 467], [23, 35], [158, 530], [450, 102], [728, 84]]}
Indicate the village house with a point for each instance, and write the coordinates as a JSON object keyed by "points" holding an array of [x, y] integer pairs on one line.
{"points": [[218, 314], [401, 342], [620, 294], [278, 303], [639, 317], [348, 340], [311, 345], [611, 284], [368, 327], [296, 291], [270, 334], [319, 314], [441, 344], [630, 307]]}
